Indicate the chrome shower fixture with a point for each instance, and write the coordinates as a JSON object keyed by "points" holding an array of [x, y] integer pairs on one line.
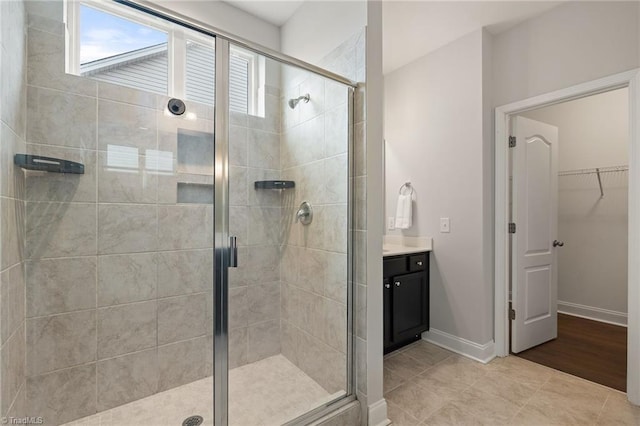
{"points": [[294, 102]]}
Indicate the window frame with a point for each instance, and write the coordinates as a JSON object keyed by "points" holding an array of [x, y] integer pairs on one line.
{"points": [[177, 39]]}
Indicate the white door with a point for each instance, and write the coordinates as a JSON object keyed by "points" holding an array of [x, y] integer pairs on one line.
{"points": [[535, 213]]}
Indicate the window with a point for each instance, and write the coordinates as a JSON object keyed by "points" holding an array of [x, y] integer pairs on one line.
{"points": [[120, 45]]}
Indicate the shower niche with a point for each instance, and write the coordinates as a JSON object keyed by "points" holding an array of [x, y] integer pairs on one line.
{"points": [[195, 153]]}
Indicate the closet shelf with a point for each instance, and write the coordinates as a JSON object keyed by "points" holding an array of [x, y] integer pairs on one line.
{"points": [[594, 171], [598, 171]]}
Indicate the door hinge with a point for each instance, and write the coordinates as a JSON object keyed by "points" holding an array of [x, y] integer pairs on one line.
{"points": [[512, 228], [512, 141], [512, 314]]}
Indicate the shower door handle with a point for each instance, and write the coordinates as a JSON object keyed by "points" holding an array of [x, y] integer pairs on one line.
{"points": [[233, 252]]}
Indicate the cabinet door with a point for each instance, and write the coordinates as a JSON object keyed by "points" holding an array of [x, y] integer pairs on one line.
{"points": [[387, 312], [410, 305]]}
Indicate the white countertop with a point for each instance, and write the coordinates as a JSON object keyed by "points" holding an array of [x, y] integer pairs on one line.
{"points": [[395, 245]]}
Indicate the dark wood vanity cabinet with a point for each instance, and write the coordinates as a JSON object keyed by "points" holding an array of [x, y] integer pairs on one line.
{"points": [[406, 299]]}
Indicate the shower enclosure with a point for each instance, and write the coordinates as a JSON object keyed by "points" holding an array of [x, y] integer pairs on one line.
{"points": [[176, 235]]}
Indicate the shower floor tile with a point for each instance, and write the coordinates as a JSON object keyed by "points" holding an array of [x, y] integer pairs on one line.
{"points": [[268, 392]]}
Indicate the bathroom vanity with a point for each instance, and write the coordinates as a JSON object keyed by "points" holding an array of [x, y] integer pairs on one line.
{"points": [[406, 292]]}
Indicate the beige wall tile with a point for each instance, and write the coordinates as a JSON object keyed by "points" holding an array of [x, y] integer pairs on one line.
{"points": [[262, 264], [125, 125], [238, 346], [46, 62], [263, 303], [46, 107], [313, 270], [185, 227], [12, 303], [336, 277], [261, 197], [126, 228], [11, 229], [264, 149], [63, 395], [238, 154], [60, 230], [335, 325], [127, 95], [238, 186], [181, 363], [11, 176], [12, 367], [63, 187], [13, 59], [263, 340], [126, 328], [60, 285], [238, 308], [289, 341], [127, 378], [120, 183], [313, 85], [127, 278], [264, 226], [185, 272], [181, 318], [60, 341], [335, 182]]}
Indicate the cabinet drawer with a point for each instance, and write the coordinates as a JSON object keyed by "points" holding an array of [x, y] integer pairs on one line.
{"points": [[394, 266], [418, 262]]}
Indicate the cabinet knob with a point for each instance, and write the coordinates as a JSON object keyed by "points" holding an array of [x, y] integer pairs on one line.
{"points": [[419, 262], [397, 283], [387, 285]]}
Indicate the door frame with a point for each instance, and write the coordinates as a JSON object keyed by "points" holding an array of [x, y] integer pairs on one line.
{"points": [[630, 79]]}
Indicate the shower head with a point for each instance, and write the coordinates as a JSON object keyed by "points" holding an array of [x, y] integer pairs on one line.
{"points": [[294, 102]]}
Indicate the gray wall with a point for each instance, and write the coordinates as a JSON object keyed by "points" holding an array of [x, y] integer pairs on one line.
{"points": [[567, 45], [572, 43], [592, 266], [12, 208], [434, 134]]}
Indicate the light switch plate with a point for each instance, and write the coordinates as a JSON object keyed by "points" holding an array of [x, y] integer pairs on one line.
{"points": [[391, 223], [444, 225]]}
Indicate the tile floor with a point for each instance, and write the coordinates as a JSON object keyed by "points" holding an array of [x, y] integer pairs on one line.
{"points": [[268, 392], [427, 385]]}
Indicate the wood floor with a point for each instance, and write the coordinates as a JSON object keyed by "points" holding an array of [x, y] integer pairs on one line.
{"points": [[589, 349]]}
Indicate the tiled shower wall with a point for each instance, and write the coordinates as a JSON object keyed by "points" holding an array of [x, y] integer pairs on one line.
{"points": [[12, 207], [119, 275], [314, 147], [255, 219]]}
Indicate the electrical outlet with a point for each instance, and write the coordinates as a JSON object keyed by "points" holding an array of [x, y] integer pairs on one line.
{"points": [[391, 223], [444, 225]]}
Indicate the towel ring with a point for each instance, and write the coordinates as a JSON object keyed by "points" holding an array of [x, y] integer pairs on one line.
{"points": [[406, 185]]}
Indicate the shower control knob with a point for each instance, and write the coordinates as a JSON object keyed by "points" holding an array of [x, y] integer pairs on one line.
{"points": [[557, 243]]}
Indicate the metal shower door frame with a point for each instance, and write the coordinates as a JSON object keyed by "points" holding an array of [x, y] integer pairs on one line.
{"points": [[222, 243]]}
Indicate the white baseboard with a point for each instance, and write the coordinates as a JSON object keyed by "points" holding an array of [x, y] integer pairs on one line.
{"points": [[482, 353], [378, 413], [593, 313]]}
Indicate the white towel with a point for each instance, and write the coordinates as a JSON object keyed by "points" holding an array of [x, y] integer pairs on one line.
{"points": [[403, 212]]}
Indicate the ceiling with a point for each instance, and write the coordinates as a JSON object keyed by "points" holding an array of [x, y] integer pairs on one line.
{"points": [[413, 28], [275, 12]]}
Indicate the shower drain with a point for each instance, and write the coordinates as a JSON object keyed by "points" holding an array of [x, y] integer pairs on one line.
{"points": [[193, 421]]}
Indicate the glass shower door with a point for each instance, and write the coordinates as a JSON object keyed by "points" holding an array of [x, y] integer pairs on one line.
{"points": [[287, 301]]}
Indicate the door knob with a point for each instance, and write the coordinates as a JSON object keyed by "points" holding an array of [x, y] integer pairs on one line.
{"points": [[557, 243]]}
